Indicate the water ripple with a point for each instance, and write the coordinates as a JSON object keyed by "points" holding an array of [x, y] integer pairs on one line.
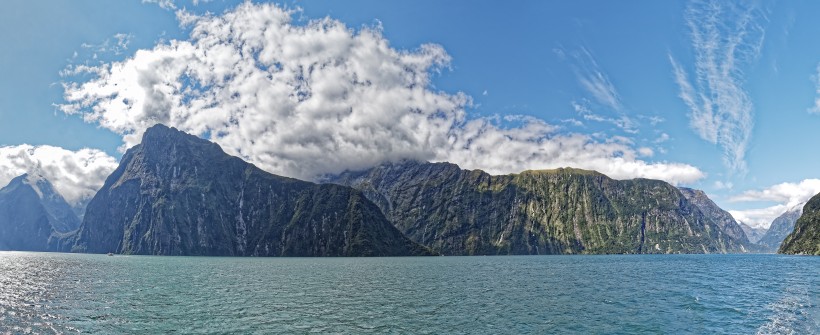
{"points": [[43, 293]]}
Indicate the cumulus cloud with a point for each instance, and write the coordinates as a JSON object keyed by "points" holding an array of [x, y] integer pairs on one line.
{"points": [[788, 195], [725, 37], [77, 175], [306, 100]]}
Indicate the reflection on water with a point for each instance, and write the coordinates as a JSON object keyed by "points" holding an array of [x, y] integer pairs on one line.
{"points": [[695, 294]]}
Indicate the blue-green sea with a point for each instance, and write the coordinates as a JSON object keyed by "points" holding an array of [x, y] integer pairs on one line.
{"points": [[49, 293]]}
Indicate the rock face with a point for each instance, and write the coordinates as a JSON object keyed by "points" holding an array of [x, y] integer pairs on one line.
{"points": [[176, 194], [563, 211], [34, 216], [754, 234], [781, 227], [722, 218], [805, 239]]}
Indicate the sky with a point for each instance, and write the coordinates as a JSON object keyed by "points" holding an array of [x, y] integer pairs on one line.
{"points": [[718, 96]]}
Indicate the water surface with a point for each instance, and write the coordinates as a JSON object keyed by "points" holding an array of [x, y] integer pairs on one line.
{"points": [[652, 294]]}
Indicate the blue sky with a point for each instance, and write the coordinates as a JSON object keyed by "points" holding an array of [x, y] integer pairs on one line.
{"points": [[634, 89]]}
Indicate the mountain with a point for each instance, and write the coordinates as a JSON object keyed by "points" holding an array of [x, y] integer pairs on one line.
{"points": [[754, 234], [33, 215], [722, 218], [781, 227], [563, 211], [805, 239], [177, 194]]}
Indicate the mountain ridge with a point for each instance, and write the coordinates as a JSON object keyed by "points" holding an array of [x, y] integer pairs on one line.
{"points": [[177, 194], [805, 238], [33, 215], [781, 227], [559, 211]]}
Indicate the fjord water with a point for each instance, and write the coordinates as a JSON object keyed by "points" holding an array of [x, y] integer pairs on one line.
{"points": [[695, 294]]}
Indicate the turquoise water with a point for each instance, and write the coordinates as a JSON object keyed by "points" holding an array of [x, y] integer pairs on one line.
{"points": [[687, 294]]}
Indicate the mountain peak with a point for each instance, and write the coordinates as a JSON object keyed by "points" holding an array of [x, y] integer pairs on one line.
{"points": [[31, 212], [167, 146], [35, 181], [161, 132], [178, 194]]}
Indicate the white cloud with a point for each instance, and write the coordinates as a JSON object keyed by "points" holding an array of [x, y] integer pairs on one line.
{"points": [[788, 195], [480, 144], [816, 108], [573, 122], [77, 175], [725, 36], [646, 152], [321, 98], [759, 217]]}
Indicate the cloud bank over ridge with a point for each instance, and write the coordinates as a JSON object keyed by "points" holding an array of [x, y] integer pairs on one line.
{"points": [[77, 175], [306, 100]]}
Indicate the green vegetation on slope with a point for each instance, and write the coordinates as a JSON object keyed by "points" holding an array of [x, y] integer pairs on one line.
{"points": [[562, 211], [805, 239]]}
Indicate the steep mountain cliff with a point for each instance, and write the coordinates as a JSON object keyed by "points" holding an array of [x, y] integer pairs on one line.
{"points": [[33, 216], [754, 234], [805, 239], [176, 194], [722, 218], [563, 211], [781, 227]]}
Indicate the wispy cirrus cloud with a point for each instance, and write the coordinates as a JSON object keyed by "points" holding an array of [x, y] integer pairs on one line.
{"points": [[172, 4], [816, 77], [726, 36], [164, 4], [600, 93], [622, 121], [117, 46], [595, 81]]}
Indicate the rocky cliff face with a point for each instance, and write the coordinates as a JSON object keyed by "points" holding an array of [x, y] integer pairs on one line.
{"points": [[722, 218], [781, 227], [176, 194], [33, 216], [754, 234], [805, 239], [564, 211]]}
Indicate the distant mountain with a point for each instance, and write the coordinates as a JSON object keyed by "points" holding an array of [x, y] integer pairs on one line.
{"points": [[722, 218], [33, 215], [781, 227], [563, 211], [177, 194], [805, 239], [754, 234]]}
